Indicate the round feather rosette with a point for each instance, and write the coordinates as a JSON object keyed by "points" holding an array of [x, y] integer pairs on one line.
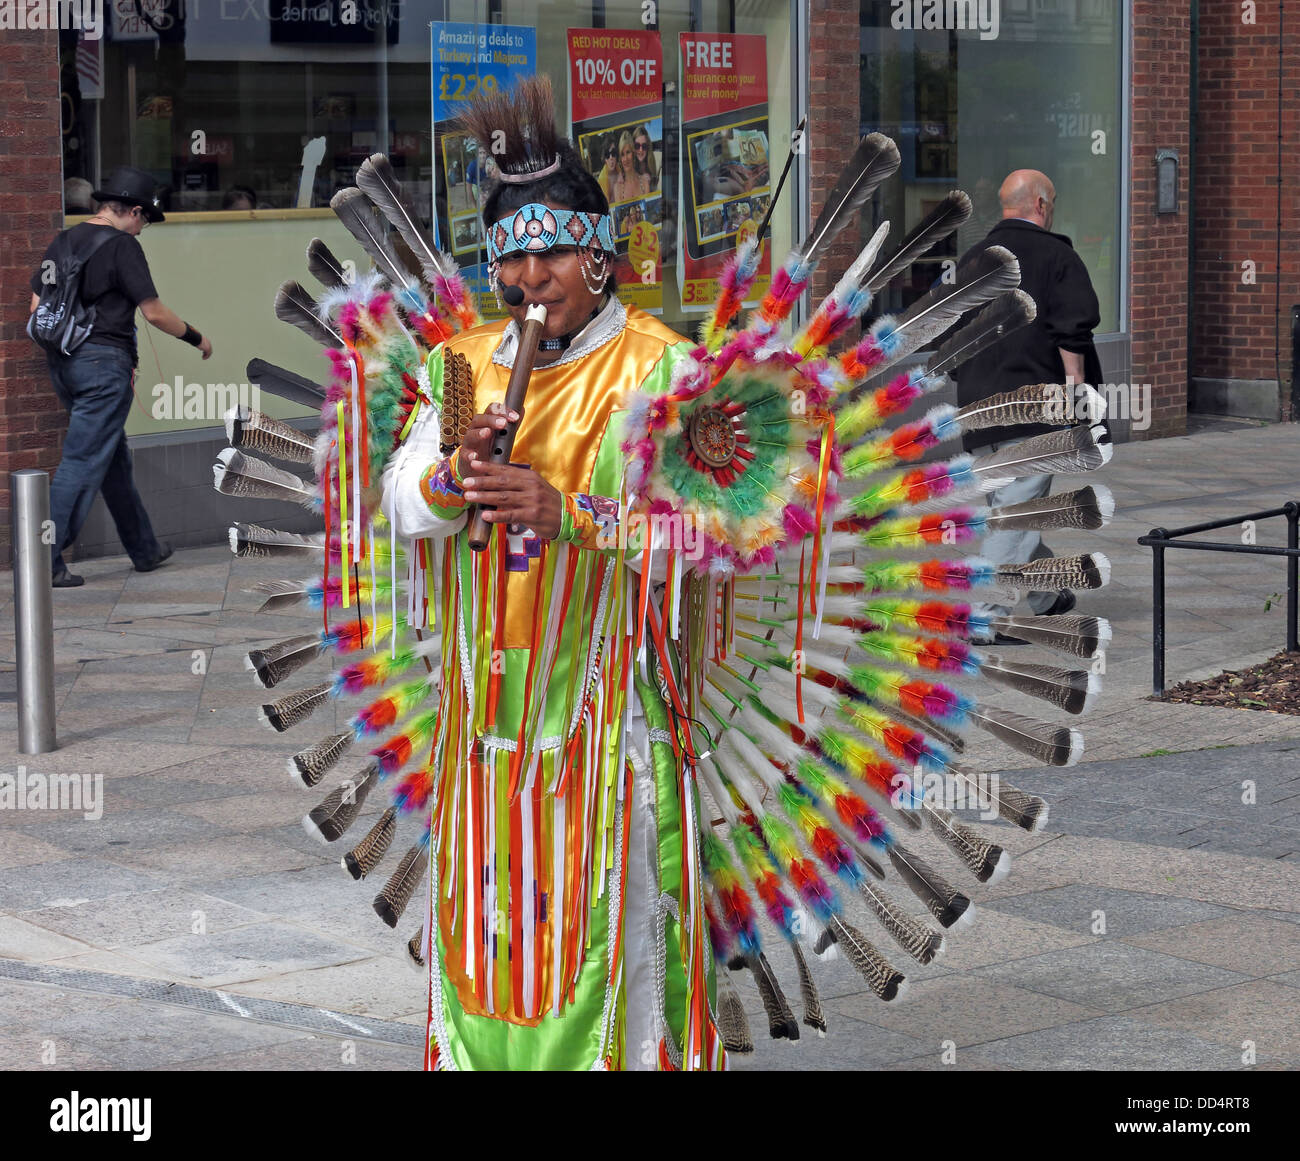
{"points": [[738, 461]]}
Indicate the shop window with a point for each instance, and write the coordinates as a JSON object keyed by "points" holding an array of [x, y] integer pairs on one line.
{"points": [[1029, 84]]}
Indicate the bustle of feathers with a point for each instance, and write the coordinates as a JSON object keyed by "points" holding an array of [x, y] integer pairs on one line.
{"points": [[799, 747]]}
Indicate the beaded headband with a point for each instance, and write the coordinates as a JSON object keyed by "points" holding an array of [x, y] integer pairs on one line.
{"points": [[535, 228]]}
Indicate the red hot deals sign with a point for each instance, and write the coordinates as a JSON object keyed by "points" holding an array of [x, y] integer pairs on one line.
{"points": [[726, 177], [617, 126]]}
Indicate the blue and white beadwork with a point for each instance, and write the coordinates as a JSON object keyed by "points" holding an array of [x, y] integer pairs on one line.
{"points": [[535, 228]]}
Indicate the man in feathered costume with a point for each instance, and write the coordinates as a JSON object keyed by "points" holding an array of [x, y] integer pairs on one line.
{"points": [[546, 778], [677, 685]]}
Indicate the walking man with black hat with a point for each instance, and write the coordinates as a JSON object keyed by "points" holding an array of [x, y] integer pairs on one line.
{"points": [[92, 361]]}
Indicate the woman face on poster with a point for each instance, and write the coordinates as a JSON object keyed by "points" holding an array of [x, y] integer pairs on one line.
{"points": [[611, 158], [643, 148]]}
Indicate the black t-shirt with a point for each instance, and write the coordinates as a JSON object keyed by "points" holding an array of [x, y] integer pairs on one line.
{"points": [[114, 281]]}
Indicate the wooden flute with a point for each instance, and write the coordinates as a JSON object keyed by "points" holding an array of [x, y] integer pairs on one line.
{"points": [[503, 442]]}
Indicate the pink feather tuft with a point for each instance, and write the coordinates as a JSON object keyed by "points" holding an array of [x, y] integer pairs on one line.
{"points": [[798, 522]]}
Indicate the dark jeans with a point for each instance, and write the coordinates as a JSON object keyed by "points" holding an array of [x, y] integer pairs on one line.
{"points": [[94, 386]]}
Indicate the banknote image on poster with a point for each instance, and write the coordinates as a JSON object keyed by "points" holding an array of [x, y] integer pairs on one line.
{"points": [[616, 113], [469, 59], [726, 158]]}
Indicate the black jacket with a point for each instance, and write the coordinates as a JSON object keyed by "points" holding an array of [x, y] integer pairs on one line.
{"points": [[1054, 276]]}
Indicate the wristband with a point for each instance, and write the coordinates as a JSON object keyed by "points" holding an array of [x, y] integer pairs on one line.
{"points": [[192, 336]]}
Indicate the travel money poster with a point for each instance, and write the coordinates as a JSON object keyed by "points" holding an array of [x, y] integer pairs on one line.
{"points": [[468, 59], [617, 125], [725, 174]]}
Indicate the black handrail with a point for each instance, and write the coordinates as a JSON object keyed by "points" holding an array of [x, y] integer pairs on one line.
{"points": [[1161, 538]]}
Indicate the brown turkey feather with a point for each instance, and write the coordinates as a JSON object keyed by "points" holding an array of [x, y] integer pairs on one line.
{"points": [[296, 307], [370, 851], [324, 267], [987, 861], [247, 477], [329, 821], [1047, 742], [812, 1002], [948, 905], [780, 1019], [1069, 452], [313, 763], [251, 430], [292, 708], [1073, 633], [1069, 689], [919, 941], [1052, 403], [882, 978], [396, 894], [1087, 509], [733, 1023], [273, 664], [1089, 570]]}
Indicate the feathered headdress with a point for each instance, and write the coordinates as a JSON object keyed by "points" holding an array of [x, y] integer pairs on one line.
{"points": [[518, 131]]}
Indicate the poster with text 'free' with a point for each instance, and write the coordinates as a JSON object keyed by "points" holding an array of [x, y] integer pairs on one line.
{"points": [[617, 126], [725, 174], [469, 59]]}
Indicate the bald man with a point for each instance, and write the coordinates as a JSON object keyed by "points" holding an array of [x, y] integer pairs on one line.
{"points": [[1056, 348]]}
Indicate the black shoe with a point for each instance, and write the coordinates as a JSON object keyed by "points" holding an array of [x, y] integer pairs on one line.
{"points": [[1064, 602], [66, 580], [1003, 639], [164, 554]]}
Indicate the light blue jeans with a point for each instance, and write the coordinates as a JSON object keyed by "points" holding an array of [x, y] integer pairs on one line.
{"points": [[1014, 546]]}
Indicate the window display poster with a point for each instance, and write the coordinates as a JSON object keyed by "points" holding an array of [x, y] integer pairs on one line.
{"points": [[617, 126], [468, 59], [725, 174]]}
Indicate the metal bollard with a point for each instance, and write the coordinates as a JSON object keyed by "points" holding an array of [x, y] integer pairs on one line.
{"points": [[29, 500]]}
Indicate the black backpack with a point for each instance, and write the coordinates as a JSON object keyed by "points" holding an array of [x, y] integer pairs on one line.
{"points": [[61, 322]]}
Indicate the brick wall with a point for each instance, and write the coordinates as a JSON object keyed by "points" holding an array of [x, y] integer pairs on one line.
{"points": [[833, 116], [31, 211], [1161, 43], [1239, 332]]}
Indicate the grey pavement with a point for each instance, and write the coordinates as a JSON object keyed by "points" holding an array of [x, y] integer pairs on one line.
{"points": [[1154, 924]]}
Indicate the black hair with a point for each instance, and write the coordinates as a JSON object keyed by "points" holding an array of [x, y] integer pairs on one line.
{"points": [[571, 187]]}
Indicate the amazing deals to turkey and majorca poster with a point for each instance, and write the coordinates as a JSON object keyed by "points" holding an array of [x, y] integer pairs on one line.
{"points": [[617, 123], [726, 180], [467, 59]]}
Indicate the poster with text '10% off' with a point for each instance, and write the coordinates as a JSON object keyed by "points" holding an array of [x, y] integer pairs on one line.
{"points": [[469, 59], [616, 118]]}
